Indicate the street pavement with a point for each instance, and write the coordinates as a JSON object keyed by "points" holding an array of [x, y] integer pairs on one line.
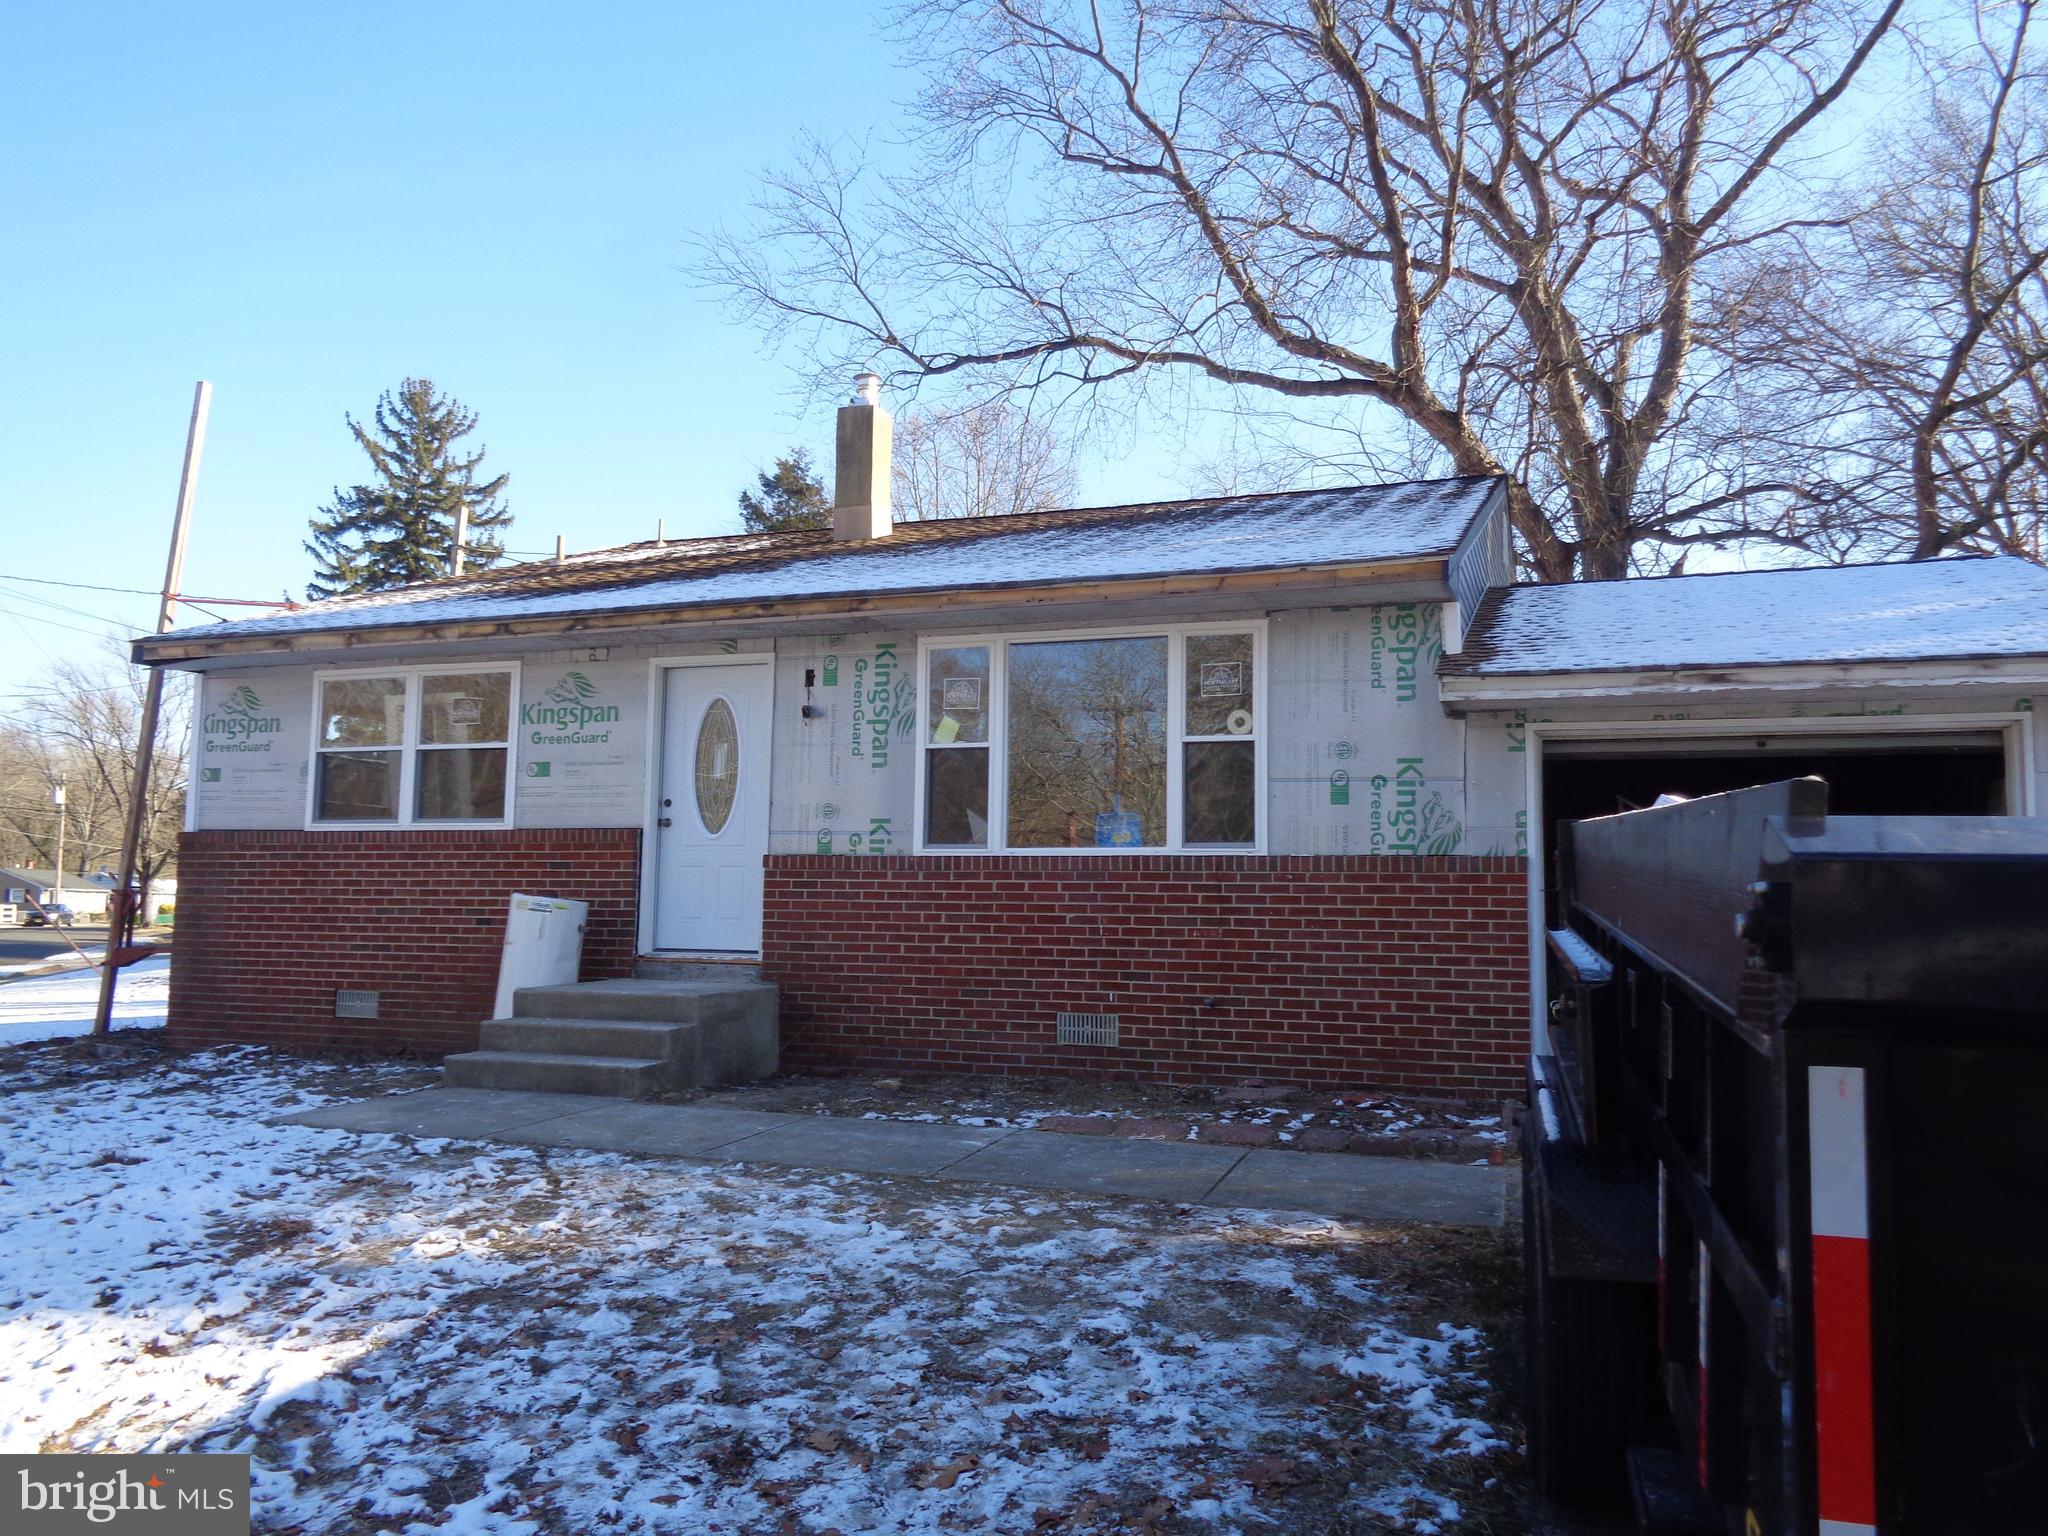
{"points": [[26, 946]]}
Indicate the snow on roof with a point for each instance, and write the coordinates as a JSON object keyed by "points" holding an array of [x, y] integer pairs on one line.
{"points": [[1942, 609], [1353, 525]]}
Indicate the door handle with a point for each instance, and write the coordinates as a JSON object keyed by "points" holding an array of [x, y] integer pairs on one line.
{"points": [[663, 822]]}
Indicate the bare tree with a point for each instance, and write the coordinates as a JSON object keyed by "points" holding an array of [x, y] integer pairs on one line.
{"points": [[1495, 227], [982, 460], [28, 819], [1920, 329], [80, 729]]}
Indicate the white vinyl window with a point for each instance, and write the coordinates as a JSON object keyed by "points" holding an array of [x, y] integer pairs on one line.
{"points": [[413, 746], [1097, 741]]}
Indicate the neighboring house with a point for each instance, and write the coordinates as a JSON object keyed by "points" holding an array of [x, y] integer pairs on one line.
{"points": [[85, 895], [1194, 790], [163, 894]]}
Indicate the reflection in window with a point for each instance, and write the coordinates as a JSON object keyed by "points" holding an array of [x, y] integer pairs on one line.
{"points": [[357, 786], [362, 712], [1219, 686], [1218, 792], [957, 726], [465, 707], [1086, 758], [447, 735], [956, 798], [465, 785]]}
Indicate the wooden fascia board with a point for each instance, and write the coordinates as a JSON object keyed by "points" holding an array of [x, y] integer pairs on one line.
{"points": [[150, 650], [1463, 692]]}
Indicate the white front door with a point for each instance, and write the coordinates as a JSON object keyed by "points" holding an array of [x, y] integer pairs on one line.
{"points": [[711, 817]]}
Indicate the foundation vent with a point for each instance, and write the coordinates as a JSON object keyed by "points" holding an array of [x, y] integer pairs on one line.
{"points": [[350, 1004], [1086, 1028]]}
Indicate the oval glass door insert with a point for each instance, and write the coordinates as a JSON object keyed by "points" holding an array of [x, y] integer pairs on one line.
{"points": [[718, 766]]}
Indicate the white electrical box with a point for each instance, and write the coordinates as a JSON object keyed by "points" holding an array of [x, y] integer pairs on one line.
{"points": [[543, 946]]}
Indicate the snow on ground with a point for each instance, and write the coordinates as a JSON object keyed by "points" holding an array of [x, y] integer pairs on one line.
{"points": [[432, 1336], [67, 958], [47, 1007]]}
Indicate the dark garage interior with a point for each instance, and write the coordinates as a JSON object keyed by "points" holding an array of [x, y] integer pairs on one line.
{"points": [[1962, 776], [1959, 774]]}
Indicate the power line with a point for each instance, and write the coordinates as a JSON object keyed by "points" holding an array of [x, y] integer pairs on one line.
{"points": [[83, 613], [86, 586], [29, 635], [83, 586], [96, 634]]}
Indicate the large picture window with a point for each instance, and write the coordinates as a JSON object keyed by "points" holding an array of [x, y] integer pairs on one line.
{"points": [[411, 747], [1092, 742]]}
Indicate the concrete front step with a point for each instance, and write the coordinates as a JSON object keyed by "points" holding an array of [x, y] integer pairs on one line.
{"points": [[619, 1077], [655, 1034], [648, 1001], [663, 968], [587, 1037]]}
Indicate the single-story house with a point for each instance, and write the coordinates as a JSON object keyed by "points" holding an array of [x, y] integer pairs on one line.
{"points": [[1193, 790], [85, 895]]}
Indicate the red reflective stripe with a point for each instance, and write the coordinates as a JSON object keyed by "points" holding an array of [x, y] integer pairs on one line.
{"points": [[1845, 1450], [1844, 1446]]}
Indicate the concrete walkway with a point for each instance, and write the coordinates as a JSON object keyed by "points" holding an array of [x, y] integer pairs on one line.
{"points": [[1187, 1173]]}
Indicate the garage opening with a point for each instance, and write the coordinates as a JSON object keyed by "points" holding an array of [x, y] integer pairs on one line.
{"points": [[1925, 774]]}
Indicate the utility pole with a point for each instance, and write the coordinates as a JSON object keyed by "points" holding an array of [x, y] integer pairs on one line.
{"points": [[121, 913], [461, 536], [57, 799]]}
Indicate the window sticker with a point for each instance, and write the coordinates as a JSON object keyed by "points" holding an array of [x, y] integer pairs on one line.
{"points": [[1222, 679], [962, 694]]}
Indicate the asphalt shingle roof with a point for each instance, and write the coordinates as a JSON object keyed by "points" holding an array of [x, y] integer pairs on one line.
{"points": [[1353, 525], [1927, 610]]}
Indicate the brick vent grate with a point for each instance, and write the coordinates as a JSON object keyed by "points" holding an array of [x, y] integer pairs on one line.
{"points": [[1086, 1028]]}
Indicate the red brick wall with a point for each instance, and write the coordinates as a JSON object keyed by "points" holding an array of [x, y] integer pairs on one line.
{"points": [[272, 924], [1400, 972]]}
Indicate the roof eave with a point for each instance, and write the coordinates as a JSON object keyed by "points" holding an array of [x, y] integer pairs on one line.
{"points": [[171, 650], [1466, 692]]}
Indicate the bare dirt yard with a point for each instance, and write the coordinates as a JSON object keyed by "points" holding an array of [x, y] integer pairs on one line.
{"points": [[417, 1336], [1251, 1114]]}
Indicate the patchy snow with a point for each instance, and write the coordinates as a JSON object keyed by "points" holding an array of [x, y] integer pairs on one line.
{"points": [[62, 959], [50, 1007], [1352, 525], [434, 1336], [1933, 609]]}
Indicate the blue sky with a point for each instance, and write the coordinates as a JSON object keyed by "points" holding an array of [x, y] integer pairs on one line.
{"points": [[305, 204]]}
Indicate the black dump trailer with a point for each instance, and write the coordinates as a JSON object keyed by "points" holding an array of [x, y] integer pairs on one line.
{"points": [[1785, 1171]]}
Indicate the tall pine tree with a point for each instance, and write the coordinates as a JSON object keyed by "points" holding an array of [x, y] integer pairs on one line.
{"points": [[401, 527], [790, 498]]}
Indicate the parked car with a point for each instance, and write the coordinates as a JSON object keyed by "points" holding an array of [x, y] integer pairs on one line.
{"points": [[57, 915]]}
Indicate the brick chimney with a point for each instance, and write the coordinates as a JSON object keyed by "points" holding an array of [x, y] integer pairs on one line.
{"points": [[860, 479]]}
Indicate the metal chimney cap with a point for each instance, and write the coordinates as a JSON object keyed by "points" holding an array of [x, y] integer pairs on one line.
{"points": [[867, 388]]}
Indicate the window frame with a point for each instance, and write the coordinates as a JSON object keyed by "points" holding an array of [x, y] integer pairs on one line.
{"points": [[409, 748], [999, 642]]}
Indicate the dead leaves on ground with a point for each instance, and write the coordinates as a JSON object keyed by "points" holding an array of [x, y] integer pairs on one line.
{"points": [[1153, 1516], [1268, 1475], [943, 1474]]}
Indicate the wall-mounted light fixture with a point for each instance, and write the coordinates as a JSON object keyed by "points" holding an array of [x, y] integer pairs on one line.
{"points": [[811, 711]]}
